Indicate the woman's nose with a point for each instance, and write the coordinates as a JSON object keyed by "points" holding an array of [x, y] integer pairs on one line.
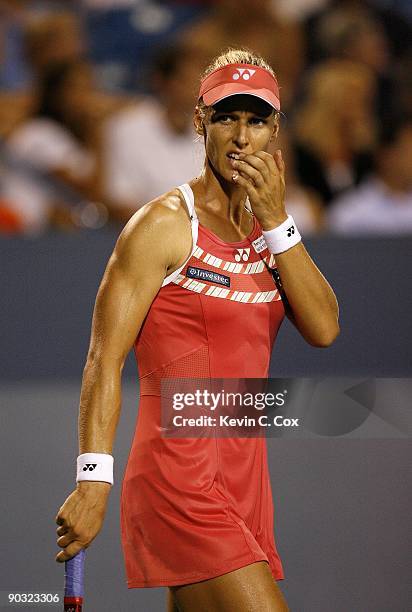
{"points": [[240, 137]]}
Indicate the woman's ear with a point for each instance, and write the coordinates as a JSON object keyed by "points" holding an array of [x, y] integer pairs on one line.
{"points": [[275, 129], [198, 123]]}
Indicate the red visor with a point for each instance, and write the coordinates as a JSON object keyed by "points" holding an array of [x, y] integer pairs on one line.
{"points": [[240, 79]]}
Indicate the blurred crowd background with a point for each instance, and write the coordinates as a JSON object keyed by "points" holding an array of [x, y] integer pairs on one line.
{"points": [[97, 98]]}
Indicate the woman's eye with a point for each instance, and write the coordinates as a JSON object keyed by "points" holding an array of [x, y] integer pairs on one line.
{"points": [[225, 118], [257, 121]]}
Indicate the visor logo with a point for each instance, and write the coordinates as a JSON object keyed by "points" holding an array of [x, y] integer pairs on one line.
{"points": [[243, 73]]}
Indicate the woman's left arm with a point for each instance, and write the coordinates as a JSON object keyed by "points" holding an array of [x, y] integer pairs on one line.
{"points": [[313, 305]]}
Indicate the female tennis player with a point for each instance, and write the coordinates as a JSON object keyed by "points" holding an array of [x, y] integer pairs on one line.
{"points": [[189, 286]]}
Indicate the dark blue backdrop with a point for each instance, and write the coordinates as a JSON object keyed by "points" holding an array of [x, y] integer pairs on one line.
{"points": [[49, 287]]}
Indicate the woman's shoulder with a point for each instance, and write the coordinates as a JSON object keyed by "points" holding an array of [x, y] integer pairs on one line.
{"points": [[168, 208], [165, 220]]}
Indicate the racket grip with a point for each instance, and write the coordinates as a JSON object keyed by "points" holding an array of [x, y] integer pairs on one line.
{"points": [[74, 583]]}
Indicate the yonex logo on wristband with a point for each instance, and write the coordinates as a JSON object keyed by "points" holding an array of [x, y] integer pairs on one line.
{"points": [[89, 467], [95, 466], [282, 237]]}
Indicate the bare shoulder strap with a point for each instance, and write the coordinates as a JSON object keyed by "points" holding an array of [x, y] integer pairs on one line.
{"points": [[189, 199]]}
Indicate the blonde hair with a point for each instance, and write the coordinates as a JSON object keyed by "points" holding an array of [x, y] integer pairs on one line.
{"points": [[240, 55], [232, 55]]}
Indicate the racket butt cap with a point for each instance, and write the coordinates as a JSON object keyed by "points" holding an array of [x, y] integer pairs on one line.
{"points": [[73, 604]]}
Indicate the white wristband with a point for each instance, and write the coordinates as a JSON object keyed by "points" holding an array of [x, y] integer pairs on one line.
{"points": [[95, 466], [282, 237]]}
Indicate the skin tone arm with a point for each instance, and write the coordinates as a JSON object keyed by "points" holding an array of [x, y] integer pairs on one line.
{"points": [[154, 243], [314, 308]]}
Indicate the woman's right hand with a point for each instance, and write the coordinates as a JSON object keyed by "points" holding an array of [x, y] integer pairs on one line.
{"points": [[81, 517]]}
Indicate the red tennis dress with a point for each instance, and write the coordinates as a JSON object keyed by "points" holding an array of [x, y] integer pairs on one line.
{"points": [[197, 508]]}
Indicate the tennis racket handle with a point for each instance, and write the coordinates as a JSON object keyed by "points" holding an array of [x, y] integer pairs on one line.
{"points": [[73, 604], [74, 583]]}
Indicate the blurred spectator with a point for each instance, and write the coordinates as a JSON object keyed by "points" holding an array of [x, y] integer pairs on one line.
{"points": [[258, 26], [33, 35], [298, 10], [49, 142], [359, 37], [334, 129], [353, 35], [15, 98], [53, 37], [381, 204], [403, 79], [14, 72], [149, 148], [125, 35], [397, 29]]}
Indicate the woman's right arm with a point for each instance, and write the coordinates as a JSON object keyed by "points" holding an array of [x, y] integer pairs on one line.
{"points": [[154, 241]]}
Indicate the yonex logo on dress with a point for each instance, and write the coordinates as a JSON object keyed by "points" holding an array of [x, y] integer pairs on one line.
{"points": [[89, 467], [244, 73], [290, 230], [242, 254]]}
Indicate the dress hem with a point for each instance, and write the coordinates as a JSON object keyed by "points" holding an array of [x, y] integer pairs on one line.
{"points": [[190, 578]]}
